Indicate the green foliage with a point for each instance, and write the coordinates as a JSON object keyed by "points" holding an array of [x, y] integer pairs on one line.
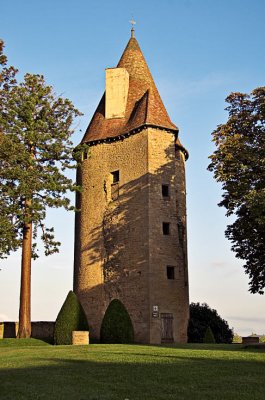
{"points": [[239, 164], [116, 325], [8, 237], [36, 150], [208, 336], [237, 338], [202, 317], [7, 74], [262, 339], [70, 318]]}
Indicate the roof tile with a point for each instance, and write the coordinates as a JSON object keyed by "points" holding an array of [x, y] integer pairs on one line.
{"points": [[144, 104]]}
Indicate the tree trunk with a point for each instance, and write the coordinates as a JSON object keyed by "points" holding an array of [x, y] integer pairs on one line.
{"points": [[24, 329]]}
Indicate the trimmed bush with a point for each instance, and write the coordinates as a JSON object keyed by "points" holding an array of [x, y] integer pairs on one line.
{"points": [[116, 326], [70, 318], [208, 336]]}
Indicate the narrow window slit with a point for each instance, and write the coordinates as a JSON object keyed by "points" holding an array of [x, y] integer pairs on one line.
{"points": [[170, 272], [166, 228], [165, 191], [115, 175]]}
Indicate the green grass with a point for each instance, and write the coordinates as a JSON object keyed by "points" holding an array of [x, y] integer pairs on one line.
{"points": [[31, 369]]}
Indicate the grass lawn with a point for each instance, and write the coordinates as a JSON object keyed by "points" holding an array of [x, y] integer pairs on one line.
{"points": [[31, 369]]}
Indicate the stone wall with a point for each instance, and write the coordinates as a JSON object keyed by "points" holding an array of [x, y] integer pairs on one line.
{"points": [[250, 339], [169, 295], [39, 330], [8, 329], [111, 243], [42, 330], [120, 249]]}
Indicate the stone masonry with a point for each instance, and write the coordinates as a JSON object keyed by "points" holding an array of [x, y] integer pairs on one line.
{"points": [[130, 235]]}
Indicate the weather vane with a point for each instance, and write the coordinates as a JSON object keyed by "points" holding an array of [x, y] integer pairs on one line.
{"points": [[132, 22]]}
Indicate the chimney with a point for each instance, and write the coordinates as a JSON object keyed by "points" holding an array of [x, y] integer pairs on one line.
{"points": [[117, 85]]}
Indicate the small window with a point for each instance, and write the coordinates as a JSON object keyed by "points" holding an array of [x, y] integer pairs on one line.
{"points": [[170, 272], [85, 155], [115, 176], [165, 191], [166, 228]]}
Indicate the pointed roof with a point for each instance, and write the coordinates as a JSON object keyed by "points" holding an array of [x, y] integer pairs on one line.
{"points": [[144, 105]]}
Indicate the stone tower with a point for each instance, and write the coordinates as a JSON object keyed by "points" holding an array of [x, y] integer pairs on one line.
{"points": [[130, 235]]}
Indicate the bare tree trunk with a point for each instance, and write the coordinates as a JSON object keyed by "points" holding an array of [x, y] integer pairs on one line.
{"points": [[24, 329]]}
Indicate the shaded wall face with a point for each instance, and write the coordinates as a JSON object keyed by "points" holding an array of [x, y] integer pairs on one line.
{"points": [[120, 249], [167, 247], [111, 249], [182, 213]]}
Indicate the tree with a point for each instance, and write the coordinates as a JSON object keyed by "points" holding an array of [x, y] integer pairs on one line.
{"points": [[71, 318], [35, 131], [239, 164], [203, 317], [8, 240], [237, 338]]}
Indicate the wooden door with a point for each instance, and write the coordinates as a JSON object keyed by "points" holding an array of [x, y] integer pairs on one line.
{"points": [[167, 328]]}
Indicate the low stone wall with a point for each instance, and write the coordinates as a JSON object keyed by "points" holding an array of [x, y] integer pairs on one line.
{"points": [[42, 330], [250, 339], [39, 330], [8, 329]]}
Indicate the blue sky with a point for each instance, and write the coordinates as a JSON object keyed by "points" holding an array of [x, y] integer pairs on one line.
{"points": [[198, 52]]}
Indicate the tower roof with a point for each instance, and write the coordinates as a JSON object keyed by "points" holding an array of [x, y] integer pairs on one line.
{"points": [[144, 105]]}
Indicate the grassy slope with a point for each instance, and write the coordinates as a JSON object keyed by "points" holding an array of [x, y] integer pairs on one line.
{"points": [[29, 370]]}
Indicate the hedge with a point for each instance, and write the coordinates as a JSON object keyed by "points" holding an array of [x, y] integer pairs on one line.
{"points": [[70, 318], [116, 325]]}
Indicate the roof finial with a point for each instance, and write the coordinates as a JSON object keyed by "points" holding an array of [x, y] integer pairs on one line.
{"points": [[132, 21]]}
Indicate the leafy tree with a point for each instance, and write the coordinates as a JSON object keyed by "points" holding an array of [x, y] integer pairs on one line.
{"points": [[116, 326], [208, 336], [35, 131], [70, 318], [202, 317], [237, 338], [239, 163]]}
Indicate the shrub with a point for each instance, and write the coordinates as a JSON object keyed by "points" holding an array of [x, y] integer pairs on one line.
{"points": [[202, 316], [262, 339], [116, 326], [70, 318], [208, 336], [237, 338]]}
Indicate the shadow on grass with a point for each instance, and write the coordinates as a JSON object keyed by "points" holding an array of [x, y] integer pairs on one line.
{"points": [[133, 376]]}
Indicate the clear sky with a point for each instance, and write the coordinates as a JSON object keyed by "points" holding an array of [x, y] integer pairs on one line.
{"points": [[198, 52]]}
